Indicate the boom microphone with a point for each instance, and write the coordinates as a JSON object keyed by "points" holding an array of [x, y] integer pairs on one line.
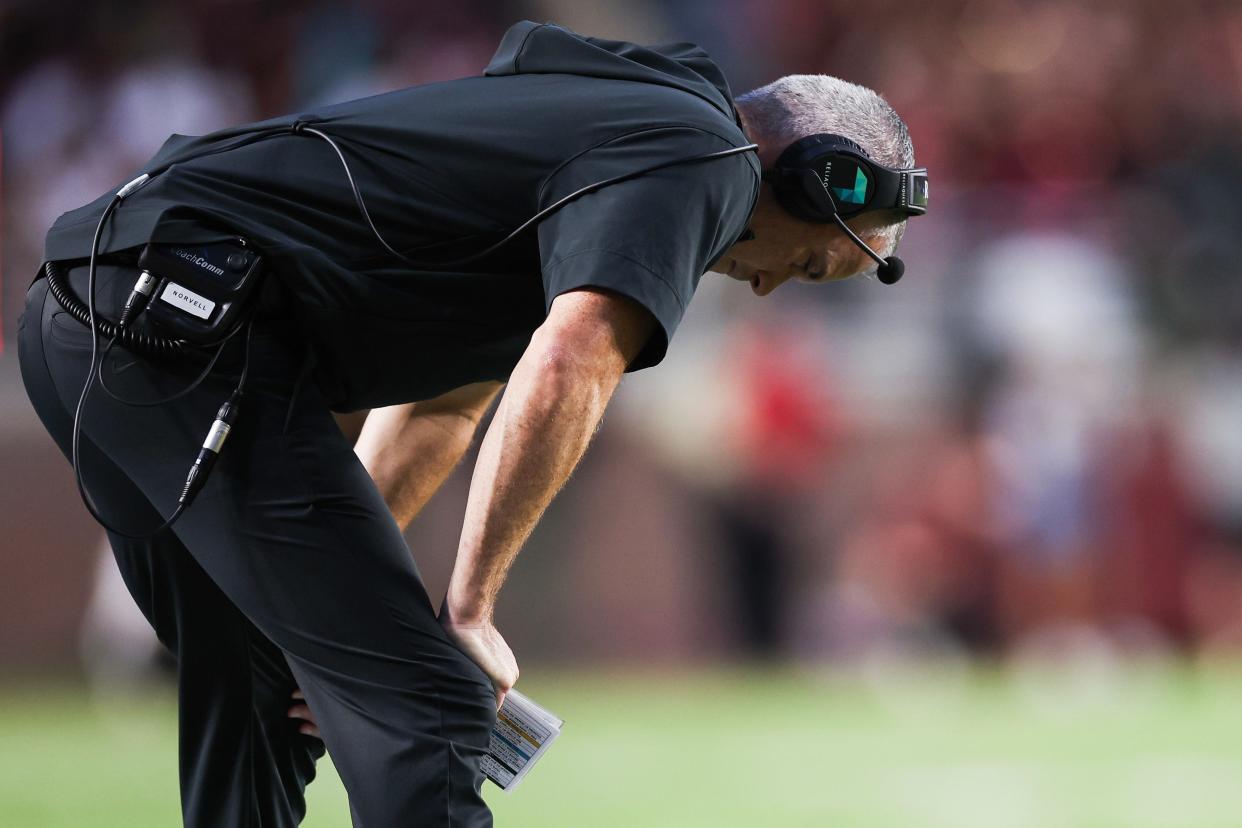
{"points": [[889, 270]]}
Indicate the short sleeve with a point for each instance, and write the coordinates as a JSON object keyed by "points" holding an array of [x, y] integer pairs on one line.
{"points": [[652, 237]]}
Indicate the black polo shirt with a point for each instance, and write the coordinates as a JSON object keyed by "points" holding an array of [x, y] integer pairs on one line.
{"points": [[446, 170]]}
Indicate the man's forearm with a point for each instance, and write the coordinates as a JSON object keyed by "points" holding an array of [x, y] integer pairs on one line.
{"points": [[410, 450], [552, 407]]}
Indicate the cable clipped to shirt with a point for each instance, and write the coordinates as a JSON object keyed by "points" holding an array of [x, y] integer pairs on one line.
{"points": [[302, 128]]}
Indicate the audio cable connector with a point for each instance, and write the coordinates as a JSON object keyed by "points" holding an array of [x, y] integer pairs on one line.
{"points": [[138, 299], [212, 446]]}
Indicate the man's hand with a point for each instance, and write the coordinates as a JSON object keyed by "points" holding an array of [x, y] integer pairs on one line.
{"points": [[300, 711], [483, 643]]}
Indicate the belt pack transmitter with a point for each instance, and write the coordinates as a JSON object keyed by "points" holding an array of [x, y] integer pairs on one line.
{"points": [[198, 292]]}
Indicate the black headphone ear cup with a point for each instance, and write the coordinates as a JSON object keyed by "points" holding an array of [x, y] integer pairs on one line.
{"points": [[786, 195], [815, 195], [800, 193], [795, 177]]}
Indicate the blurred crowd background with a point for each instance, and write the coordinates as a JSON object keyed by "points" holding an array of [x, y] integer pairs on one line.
{"points": [[1029, 448]]}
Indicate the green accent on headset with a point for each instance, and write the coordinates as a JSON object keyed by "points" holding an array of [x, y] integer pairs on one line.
{"points": [[858, 195]]}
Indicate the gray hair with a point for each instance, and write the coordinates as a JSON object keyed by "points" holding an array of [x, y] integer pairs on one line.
{"points": [[800, 105]]}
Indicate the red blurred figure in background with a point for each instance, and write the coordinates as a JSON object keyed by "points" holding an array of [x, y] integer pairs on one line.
{"points": [[783, 439]]}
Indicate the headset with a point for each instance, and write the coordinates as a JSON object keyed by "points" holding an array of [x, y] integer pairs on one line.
{"points": [[827, 178], [197, 297]]}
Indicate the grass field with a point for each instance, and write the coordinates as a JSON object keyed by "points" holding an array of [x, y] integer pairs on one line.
{"points": [[1141, 748]]}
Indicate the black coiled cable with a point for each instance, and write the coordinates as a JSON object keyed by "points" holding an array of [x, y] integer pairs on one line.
{"points": [[135, 341]]}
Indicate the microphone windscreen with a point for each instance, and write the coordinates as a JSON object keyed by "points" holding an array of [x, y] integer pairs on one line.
{"points": [[891, 271]]}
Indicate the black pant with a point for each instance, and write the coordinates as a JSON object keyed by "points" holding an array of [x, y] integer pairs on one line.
{"points": [[287, 570]]}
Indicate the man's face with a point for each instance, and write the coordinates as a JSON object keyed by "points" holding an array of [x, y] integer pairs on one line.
{"points": [[786, 247]]}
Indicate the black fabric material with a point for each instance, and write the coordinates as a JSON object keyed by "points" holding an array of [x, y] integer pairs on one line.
{"points": [[287, 571], [446, 170]]}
